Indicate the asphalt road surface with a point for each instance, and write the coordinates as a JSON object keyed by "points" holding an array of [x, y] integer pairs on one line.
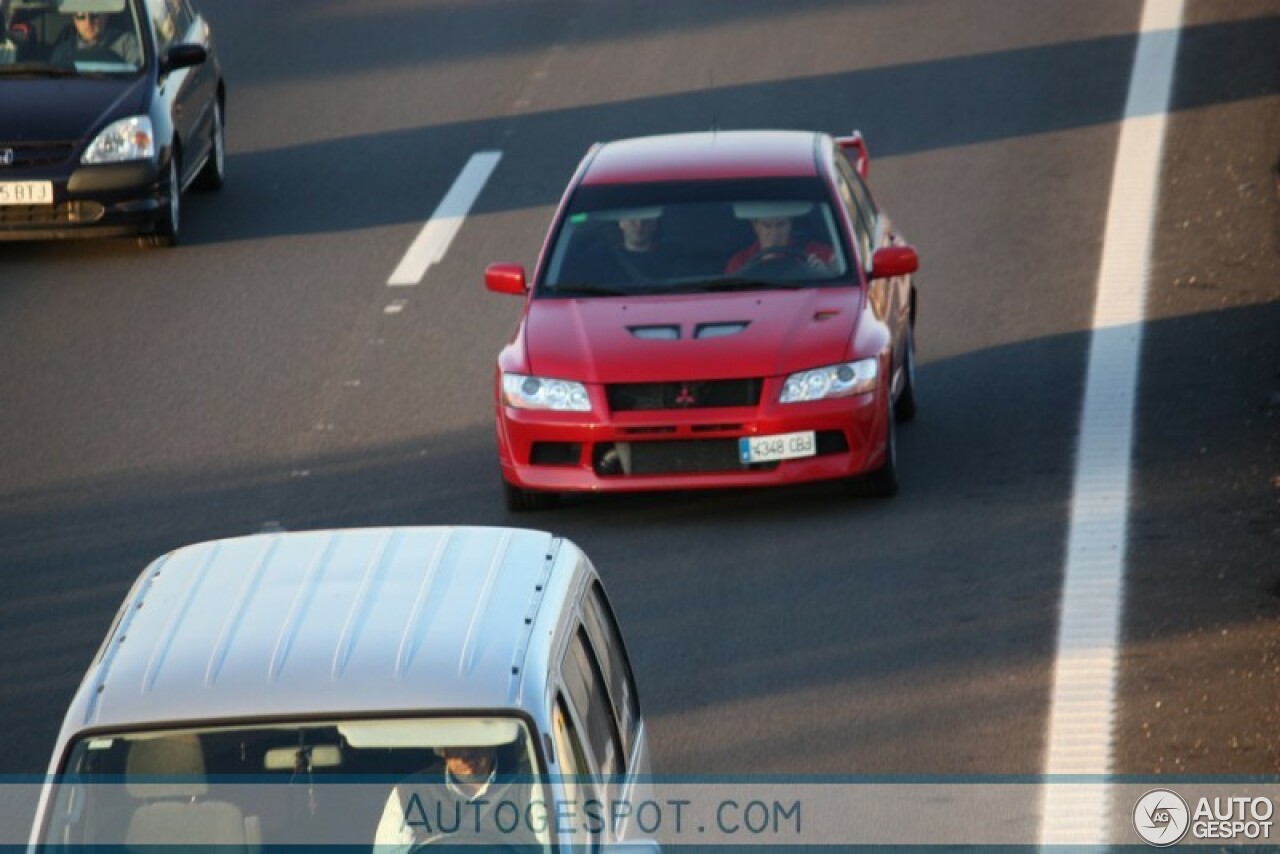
{"points": [[264, 374]]}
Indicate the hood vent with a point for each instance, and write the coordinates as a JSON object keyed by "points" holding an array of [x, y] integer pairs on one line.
{"points": [[719, 330], [656, 333]]}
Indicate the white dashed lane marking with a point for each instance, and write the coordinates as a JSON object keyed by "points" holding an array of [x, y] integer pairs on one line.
{"points": [[1082, 710], [431, 244]]}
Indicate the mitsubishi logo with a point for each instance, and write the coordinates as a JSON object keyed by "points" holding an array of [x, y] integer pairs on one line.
{"points": [[685, 397], [6, 156]]}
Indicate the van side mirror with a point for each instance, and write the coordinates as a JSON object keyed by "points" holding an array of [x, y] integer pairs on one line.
{"points": [[505, 279], [890, 261], [183, 56]]}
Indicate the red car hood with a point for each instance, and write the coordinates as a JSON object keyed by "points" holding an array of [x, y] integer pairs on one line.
{"points": [[738, 334]]}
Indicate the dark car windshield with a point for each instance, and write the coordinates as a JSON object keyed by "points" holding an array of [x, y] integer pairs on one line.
{"points": [[695, 236], [70, 37]]}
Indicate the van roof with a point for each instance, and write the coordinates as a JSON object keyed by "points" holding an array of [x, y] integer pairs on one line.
{"points": [[330, 622]]}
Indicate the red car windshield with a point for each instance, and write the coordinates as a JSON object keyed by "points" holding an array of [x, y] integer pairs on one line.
{"points": [[691, 236]]}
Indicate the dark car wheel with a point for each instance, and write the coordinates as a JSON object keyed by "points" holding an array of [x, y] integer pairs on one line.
{"points": [[169, 221], [882, 483], [904, 409], [214, 173], [524, 500]]}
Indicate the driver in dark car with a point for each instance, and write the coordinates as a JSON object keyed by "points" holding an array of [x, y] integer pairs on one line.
{"points": [[774, 243], [95, 36]]}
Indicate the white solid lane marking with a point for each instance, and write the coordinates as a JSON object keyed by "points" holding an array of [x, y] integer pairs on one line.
{"points": [[1081, 715], [433, 241]]}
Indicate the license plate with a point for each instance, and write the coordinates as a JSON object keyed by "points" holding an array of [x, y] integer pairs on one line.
{"points": [[784, 446], [26, 192]]}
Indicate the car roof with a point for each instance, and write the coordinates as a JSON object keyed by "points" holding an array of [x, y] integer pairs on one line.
{"points": [[706, 155], [327, 622]]}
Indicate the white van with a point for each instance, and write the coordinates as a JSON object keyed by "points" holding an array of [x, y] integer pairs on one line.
{"points": [[318, 687]]}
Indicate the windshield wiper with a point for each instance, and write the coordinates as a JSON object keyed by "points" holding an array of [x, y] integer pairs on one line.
{"points": [[585, 290], [37, 69], [733, 283]]}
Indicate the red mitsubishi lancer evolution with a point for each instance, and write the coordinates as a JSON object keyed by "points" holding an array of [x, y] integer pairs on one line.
{"points": [[710, 310]]}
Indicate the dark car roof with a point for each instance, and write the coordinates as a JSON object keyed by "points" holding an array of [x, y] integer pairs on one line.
{"points": [[707, 155]]}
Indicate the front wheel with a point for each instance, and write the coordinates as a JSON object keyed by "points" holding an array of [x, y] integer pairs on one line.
{"points": [[214, 173], [169, 226], [904, 409], [882, 483], [526, 500]]}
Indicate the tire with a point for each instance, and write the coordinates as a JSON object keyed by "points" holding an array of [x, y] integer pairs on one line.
{"points": [[904, 408], [527, 500], [169, 227], [882, 483], [214, 173]]}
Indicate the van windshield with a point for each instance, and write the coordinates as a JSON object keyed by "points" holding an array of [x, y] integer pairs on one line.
{"points": [[385, 782]]}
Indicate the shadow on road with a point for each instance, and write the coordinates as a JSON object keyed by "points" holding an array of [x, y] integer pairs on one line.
{"points": [[920, 626]]}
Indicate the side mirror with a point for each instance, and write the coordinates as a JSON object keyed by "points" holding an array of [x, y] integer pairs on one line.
{"points": [[183, 56], [855, 147], [890, 261], [505, 279]]}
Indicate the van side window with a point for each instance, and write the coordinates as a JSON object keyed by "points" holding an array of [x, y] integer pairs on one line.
{"points": [[606, 639], [589, 697], [573, 767]]}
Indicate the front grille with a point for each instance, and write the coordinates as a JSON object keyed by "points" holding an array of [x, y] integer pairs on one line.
{"points": [[678, 456], [691, 456], [32, 154], [67, 213], [633, 397]]}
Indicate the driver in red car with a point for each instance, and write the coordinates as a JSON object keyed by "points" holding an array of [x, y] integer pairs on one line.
{"points": [[774, 243]]}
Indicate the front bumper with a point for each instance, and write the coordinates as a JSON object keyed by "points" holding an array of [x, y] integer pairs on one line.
{"points": [[91, 201], [687, 449]]}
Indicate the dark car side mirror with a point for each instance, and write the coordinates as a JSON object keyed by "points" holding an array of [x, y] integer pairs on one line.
{"points": [[890, 261], [183, 56], [505, 279]]}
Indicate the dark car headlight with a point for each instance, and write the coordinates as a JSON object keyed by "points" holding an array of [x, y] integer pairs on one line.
{"points": [[123, 140]]}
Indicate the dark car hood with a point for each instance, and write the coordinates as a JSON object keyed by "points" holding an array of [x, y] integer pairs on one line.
{"points": [[64, 109], [761, 333]]}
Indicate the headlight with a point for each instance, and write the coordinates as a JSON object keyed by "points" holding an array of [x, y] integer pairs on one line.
{"points": [[127, 139], [524, 392], [831, 381]]}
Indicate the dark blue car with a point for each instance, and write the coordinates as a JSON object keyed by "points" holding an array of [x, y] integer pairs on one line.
{"points": [[111, 109]]}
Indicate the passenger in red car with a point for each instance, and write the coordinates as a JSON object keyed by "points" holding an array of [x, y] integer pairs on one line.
{"points": [[642, 255], [774, 244], [634, 254]]}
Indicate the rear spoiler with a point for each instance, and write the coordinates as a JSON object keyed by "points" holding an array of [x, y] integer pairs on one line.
{"points": [[856, 148]]}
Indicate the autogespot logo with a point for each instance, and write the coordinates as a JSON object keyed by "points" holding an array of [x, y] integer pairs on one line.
{"points": [[1161, 817]]}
